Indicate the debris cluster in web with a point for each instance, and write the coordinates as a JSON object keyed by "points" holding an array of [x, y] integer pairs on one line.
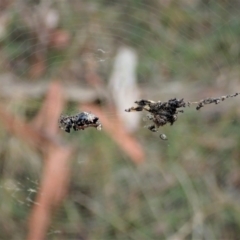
{"points": [[203, 102], [161, 113]]}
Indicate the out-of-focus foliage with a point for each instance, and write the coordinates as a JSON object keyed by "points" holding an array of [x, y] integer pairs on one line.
{"points": [[189, 185]]}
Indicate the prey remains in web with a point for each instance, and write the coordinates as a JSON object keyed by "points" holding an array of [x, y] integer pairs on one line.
{"points": [[79, 122], [161, 113]]}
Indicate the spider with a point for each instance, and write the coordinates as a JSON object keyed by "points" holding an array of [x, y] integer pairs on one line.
{"points": [[79, 122]]}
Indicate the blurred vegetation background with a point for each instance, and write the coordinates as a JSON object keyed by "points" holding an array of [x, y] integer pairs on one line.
{"points": [[189, 186]]}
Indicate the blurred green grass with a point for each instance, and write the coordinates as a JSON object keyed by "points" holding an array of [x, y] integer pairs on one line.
{"points": [[188, 176]]}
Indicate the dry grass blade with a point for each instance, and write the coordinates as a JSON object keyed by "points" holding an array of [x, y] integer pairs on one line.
{"points": [[56, 171], [52, 191], [25, 131], [120, 135]]}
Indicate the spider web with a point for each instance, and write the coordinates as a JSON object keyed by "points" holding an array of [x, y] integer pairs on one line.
{"points": [[188, 186]]}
